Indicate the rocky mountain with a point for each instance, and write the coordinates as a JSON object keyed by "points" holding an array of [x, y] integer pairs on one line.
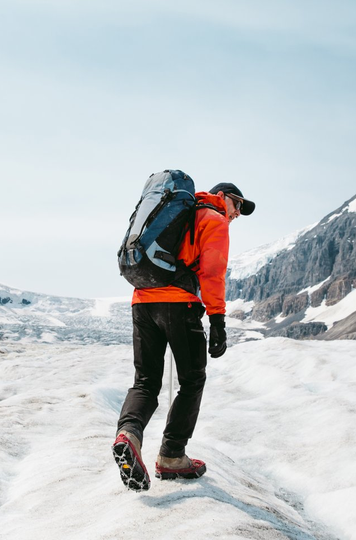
{"points": [[291, 282]]}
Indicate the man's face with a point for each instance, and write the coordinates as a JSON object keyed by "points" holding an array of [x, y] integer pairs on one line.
{"points": [[232, 211]]}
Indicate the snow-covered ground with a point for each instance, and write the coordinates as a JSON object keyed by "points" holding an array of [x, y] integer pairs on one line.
{"points": [[277, 430]]}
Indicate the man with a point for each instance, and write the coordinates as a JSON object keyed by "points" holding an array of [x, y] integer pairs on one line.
{"points": [[173, 315]]}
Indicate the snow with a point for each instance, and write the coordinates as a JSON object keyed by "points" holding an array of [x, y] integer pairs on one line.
{"points": [[331, 314], [352, 206], [65, 319], [279, 318], [323, 313], [239, 304], [310, 290], [251, 334], [277, 430], [47, 337], [250, 262], [334, 216], [102, 307]]}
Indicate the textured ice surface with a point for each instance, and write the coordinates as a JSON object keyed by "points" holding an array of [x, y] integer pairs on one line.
{"points": [[276, 430]]}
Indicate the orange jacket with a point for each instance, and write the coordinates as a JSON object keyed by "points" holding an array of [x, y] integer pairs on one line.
{"points": [[211, 248]]}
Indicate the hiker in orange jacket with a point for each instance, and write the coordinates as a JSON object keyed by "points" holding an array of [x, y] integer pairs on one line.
{"points": [[210, 249], [173, 315]]}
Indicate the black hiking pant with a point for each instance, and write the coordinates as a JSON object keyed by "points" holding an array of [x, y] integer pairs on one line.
{"points": [[155, 325]]}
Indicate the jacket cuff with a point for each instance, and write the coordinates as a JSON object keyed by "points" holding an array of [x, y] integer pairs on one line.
{"points": [[218, 319]]}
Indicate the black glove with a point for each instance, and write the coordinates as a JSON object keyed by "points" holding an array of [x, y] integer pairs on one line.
{"points": [[217, 339]]}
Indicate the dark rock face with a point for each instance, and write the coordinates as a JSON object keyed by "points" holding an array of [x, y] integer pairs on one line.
{"points": [[8, 300], [301, 331], [345, 329], [325, 253], [269, 308], [238, 314], [295, 303], [339, 288]]}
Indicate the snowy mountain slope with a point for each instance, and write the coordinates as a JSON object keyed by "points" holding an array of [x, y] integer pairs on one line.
{"points": [[250, 262], [301, 271], [276, 430]]}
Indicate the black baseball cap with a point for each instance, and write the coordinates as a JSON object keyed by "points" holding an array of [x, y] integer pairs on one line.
{"points": [[234, 192]]}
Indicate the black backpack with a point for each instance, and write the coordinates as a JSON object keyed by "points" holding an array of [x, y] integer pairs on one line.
{"points": [[166, 209]]}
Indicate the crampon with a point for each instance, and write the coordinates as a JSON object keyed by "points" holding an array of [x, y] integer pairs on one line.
{"points": [[132, 469], [196, 469]]}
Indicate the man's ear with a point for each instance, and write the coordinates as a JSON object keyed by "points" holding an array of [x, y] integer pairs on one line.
{"points": [[221, 194]]}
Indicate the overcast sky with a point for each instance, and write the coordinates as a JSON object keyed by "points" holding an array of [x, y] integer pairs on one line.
{"points": [[97, 95]]}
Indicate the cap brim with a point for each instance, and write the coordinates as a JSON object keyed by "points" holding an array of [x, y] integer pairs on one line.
{"points": [[247, 206]]}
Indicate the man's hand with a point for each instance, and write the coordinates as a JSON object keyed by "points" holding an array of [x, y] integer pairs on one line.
{"points": [[217, 339]]}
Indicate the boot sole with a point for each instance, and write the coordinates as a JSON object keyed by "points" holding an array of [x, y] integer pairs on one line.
{"points": [[132, 474], [173, 475]]}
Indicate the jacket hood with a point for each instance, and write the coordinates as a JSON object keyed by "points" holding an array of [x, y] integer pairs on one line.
{"points": [[215, 200]]}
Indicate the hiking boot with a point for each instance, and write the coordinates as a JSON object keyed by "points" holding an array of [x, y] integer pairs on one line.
{"points": [[127, 454], [182, 467]]}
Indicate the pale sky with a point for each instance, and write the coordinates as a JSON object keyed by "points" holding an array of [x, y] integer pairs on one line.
{"points": [[97, 95]]}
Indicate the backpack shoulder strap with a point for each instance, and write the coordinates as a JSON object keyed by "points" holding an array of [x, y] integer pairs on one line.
{"points": [[211, 206], [198, 206], [186, 277]]}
